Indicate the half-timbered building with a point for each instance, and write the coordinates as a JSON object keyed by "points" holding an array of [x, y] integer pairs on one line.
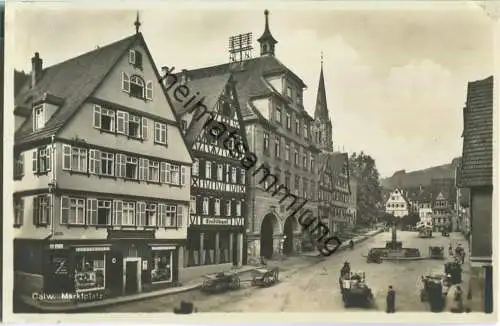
{"points": [[102, 178], [216, 227]]}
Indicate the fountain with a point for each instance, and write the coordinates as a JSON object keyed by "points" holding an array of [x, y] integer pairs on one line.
{"points": [[394, 249]]}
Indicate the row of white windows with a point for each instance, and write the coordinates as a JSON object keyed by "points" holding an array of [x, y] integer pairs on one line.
{"points": [[278, 119], [277, 152], [93, 211], [216, 207], [220, 171], [133, 126], [122, 166]]}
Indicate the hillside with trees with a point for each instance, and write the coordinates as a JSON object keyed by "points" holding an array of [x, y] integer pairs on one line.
{"points": [[423, 177]]}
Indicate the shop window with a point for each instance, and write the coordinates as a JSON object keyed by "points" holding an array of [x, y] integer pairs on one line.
{"points": [[161, 270], [193, 247], [89, 271]]}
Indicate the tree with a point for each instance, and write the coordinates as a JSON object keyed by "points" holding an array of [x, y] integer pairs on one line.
{"points": [[369, 198], [410, 220]]}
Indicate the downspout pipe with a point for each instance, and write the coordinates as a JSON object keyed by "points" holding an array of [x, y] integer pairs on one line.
{"points": [[52, 185]]}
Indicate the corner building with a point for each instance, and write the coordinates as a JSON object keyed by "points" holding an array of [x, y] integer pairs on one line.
{"points": [[286, 140], [102, 176]]}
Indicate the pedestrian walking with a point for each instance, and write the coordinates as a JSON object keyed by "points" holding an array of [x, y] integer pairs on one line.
{"points": [[458, 302], [462, 256], [391, 300], [450, 250]]}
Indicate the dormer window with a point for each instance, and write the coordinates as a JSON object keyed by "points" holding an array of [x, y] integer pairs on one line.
{"points": [[38, 117], [135, 58], [289, 92]]}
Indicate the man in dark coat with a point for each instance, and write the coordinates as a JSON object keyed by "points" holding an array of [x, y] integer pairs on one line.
{"points": [[391, 300]]}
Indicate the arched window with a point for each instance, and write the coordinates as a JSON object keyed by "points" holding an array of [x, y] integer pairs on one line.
{"points": [[137, 86]]}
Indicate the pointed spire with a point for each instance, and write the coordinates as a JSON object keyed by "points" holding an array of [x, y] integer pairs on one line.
{"points": [[321, 111], [137, 24], [267, 40]]}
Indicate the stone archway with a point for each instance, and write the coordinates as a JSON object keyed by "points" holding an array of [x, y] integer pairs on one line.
{"points": [[289, 229], [269, 227]]}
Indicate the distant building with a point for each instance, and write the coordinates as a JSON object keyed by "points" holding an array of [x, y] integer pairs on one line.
{"points": [[425, 215], [397, 204]]}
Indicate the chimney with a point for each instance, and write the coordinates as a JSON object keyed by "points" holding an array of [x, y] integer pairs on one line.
{"points": [[36, 68], [184, 76]]}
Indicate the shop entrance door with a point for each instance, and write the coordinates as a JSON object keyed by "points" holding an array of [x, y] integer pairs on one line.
{"points": [[131, 285]]}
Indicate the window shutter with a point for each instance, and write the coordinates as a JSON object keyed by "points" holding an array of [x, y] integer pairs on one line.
{"points": [[97, 116], [34, 156], [126, 119], [161, 217], [163, 172], [21, 205], [149, 90], [183, 175], [48, 158], [97, 162], [144, 128], [66, 157], [125, 82], [131, 56], [180, 209], [117, 165], [91, 211], [141, 213], [64, 210], [35, 210], [92, 161], [142, 175], [49, 209]]}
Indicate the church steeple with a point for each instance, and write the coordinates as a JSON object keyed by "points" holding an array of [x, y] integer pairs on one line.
{"points": [[267, 40], [324, 132], [321, 111]]}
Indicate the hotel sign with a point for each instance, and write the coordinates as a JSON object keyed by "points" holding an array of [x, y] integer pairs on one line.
{"points": [[216, 221]]}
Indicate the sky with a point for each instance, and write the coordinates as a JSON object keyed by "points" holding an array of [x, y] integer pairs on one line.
{"points": [[395, 79]]}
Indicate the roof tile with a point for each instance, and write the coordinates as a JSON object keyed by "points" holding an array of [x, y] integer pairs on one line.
{"points": [[477, 159]]}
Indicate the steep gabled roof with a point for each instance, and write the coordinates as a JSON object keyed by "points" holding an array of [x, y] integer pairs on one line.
{"points": [[335, 162], [425, 196], [249, 77], [73, 81], [210, 89], [477, 156]]}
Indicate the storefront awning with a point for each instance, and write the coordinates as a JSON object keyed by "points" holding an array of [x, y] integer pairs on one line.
{"points": [[92, 248], [162, 247]]}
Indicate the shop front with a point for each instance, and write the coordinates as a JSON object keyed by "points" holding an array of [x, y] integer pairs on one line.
{"points": [[213, 245], [113, 268]]}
